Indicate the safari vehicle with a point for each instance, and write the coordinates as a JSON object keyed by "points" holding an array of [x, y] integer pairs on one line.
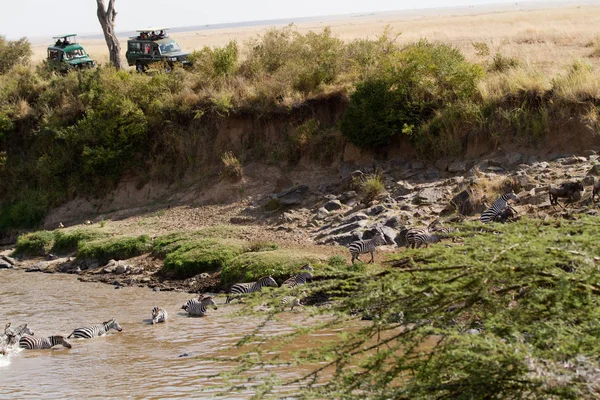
{"points": [[153, 45], [66, 54]]}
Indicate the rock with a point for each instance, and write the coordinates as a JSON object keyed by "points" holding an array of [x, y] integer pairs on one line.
{"points": [[442, 165], [513, 158], [354, 217], [463, 202], [394, 222], [389, 234], [5, 265], [204, 275], [343, 240], [110, 267], [347, 228], [402, 188], [38, 267], [322, 213], [429, 196], [594, 171], [417, 165], [349, 195], [375, 210], [333, 205], [458, 166], [292, 196], [588, 180], [525, 182], [589, 153], [185, 355], [573, 160], [242, 220], [432, 173]]}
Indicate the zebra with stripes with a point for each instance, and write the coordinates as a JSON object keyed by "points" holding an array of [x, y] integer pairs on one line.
{"points": [[366, 246], [299, 279], [159, 315], [13, 335], [240, 289], [96, 330], [198, 307], [37, 343], [497, 207]]}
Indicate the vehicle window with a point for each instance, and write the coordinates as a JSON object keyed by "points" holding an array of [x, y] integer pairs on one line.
{"points": [[169, 47], [74, 54], [53, 54], [135, 47], [147, 48]]}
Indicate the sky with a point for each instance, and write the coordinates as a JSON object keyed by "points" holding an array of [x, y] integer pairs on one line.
{"points": [[35, 18]]}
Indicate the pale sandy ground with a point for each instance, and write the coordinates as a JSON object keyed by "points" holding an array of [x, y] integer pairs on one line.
{"points": [[546, 34]]}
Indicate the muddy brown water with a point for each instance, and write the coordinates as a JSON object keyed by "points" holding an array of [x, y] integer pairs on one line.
{"points": [[142, 361]]}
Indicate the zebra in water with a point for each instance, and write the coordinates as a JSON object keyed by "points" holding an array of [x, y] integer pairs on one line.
{"points": [[296, 301], [96, 330], [13, 335], [159, 315], [497, 207], [37, 343], [240, 289], [366, 246], [299, 279], [198, 307]]}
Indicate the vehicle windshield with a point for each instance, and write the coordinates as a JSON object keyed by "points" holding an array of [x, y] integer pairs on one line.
{"points": [[77, 53], [169, 47]]}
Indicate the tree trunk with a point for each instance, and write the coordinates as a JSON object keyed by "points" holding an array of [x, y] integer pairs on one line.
{"points": [[106, 16]]}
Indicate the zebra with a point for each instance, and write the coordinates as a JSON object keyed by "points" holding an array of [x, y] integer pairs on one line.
{"points": [[159, 315], [299, 279], [36, 343], [199, 306], [296, 301], [244, 288], [497, 207], [366, 246], [13, 335], [506, 215], [96, 330], [307, 267]]}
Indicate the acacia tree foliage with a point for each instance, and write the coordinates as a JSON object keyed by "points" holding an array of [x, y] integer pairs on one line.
{"points": [[412, 85], [13, 52], [512, 314]]}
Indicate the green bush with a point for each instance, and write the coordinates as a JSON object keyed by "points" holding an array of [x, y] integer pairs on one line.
{"points": [[13, 52], [118, 248], [189, 258], [68, 241], [34, 244], [419, 80], [280, 264]]}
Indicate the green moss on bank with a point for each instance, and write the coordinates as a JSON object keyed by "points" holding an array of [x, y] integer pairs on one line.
{"points": [[34, 244], [280, 264], [118, 248]]}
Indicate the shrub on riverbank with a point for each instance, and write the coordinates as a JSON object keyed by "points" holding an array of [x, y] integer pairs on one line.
{"points": [[117, 248], [68, 241], [34, 244], [280, 264], [192, 257]]}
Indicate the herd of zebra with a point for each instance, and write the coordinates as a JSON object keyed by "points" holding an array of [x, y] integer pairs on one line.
{"points": [[23, 337], [499, 211]]}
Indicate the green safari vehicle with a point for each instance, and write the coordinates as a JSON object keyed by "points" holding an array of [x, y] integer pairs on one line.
{"points": [[66, 54], [153, 45]]}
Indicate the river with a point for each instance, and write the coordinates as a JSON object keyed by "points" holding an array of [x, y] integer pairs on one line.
{"points": [[142, 361]]}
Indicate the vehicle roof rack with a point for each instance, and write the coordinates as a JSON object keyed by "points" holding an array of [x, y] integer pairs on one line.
{"points": [[151, 29], [64, 36]]}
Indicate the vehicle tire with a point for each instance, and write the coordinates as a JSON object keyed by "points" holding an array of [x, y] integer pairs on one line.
{"points": [[139, 67]]}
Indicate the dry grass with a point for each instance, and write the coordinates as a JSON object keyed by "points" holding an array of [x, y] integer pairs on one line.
{"points": [[544, 36], [487, 190], [232, 167], [524, 78]]}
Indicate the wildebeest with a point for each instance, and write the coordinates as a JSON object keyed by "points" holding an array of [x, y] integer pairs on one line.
{"points": [[569, 190], [596, 191], [506, 215]]}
